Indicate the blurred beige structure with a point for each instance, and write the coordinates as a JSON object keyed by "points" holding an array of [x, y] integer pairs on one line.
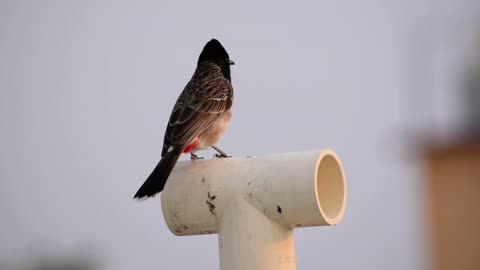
{"points": [[453, 183], [454, 198]]}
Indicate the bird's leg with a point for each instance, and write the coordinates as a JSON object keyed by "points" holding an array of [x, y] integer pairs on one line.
{"points": [[194, 157], [220, 154]]}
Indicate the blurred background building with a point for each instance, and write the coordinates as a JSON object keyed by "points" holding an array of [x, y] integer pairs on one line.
{"points": [[393, 87], [452, 172]]}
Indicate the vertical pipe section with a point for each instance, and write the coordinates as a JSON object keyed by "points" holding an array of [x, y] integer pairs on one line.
{"points": [[250, 240]]}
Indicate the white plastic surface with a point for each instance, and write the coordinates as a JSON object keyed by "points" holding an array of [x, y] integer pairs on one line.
{"points": [[254, 203]]}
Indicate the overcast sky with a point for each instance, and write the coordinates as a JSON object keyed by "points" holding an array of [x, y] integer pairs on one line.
{"points": [[87, 88]]}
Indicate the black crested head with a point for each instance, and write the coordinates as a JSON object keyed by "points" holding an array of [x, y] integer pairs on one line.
{"points": [[214, 52]]}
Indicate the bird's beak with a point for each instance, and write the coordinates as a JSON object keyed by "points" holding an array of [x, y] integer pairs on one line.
{"points": [[230, 62]]}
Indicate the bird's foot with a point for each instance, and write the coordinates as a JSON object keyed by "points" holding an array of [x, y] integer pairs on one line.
{"points": [[221, 156], [194, 157], [221, 153]]}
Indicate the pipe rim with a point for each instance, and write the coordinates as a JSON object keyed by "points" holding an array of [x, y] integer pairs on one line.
{"points": [[330, 187]]}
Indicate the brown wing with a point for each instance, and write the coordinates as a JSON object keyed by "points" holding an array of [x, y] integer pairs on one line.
{"points": [[205, 97]]}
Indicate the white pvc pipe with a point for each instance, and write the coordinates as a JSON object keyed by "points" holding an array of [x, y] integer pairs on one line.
{"points": [[250, 240], [254, 203]]}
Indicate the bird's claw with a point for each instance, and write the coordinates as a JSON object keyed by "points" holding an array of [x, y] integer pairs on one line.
{"points": [[221, 153], [221, 156], [194, 157]]}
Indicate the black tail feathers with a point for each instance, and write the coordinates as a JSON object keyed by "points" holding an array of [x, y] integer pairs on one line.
{"points": [[157, 179]]}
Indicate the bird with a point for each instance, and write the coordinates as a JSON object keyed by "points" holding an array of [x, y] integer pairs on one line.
{"points": [[199, 117]]}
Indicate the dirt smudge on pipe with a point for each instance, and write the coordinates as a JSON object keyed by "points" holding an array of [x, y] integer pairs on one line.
{"points": [[211, 207], [211, 197]]}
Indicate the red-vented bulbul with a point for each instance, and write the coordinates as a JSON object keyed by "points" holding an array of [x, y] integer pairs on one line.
{"points": [[200, 115]]}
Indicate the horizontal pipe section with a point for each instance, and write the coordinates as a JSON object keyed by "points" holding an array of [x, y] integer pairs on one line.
{"points": [[299, 189]]}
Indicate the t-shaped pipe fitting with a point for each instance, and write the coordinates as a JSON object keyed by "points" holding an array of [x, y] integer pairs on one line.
{"points": [[254, 203]]}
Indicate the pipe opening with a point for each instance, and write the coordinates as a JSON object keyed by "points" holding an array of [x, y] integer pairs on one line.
{"points": [[330, 187]]}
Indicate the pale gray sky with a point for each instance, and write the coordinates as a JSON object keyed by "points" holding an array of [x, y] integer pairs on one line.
{"points": [[87, 88]]}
